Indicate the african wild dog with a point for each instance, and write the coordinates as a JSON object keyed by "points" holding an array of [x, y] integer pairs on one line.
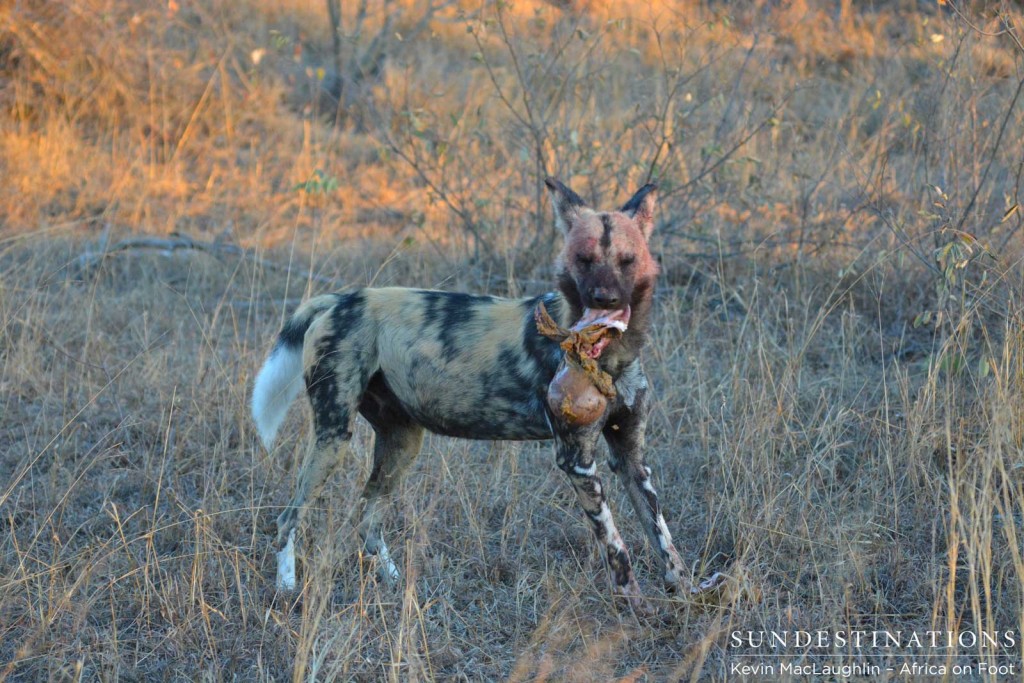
{"points": [[475, 367]]}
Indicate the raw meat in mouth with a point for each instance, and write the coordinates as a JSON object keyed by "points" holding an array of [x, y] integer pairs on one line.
{"points": [[595, 320]]}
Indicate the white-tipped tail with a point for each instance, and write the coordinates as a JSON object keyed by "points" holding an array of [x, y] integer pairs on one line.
{"points": [[277, 385]]}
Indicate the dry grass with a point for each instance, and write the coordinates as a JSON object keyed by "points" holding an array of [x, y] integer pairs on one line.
{"points": [[828, 179]]}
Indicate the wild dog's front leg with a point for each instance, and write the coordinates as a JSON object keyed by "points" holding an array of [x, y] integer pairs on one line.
{"points": [[624, 432], [575, 454]]}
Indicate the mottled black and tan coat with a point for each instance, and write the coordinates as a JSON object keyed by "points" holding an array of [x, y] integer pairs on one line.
{"points": [[475, 367]]}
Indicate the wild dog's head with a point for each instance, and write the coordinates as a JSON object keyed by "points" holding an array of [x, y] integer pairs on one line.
{"points": [[605, 265]]}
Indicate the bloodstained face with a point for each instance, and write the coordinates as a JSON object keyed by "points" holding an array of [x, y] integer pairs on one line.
{"points": [[605, 265]]}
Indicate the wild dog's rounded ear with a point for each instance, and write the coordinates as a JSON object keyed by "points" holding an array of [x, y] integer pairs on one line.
{"points": [[565, 202], [640, 208]]}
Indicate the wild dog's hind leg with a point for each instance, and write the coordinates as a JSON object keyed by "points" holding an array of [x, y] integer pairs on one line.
{"points": [[398, 442], [575, 455], [624, 432], [393, 452], [329, 448], [337, 367]]}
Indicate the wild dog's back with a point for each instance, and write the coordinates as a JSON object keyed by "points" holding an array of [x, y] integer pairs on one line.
{"points": [[459, 364], [466, 365]]}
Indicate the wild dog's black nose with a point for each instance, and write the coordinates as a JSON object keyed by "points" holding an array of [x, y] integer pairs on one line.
{"points": [[604, 297]]}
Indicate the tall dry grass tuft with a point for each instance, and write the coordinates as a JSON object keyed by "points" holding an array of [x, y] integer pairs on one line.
{"points": [[837, 352]]}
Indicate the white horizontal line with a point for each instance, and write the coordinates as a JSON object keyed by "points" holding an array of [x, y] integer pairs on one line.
{"points": [[880, 654]]}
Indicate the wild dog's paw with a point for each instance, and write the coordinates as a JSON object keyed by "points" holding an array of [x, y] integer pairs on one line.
{"points": [[713, 583], [286, 565], [387, 570], [631, 595], [675, 583], [375, 558], [725, 589]]}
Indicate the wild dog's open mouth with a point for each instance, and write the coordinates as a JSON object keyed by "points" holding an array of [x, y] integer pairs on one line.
{"points": [[594, 319]]}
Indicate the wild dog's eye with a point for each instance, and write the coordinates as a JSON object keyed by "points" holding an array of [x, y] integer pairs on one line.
{"points": [[585, 261], [627, 260]]}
